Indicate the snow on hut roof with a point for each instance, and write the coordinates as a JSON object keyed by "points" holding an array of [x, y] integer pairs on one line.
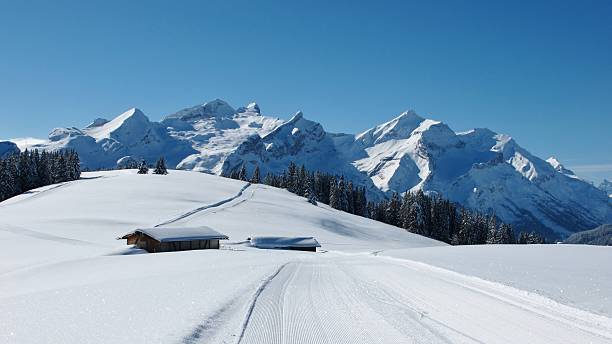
{"points": [[167, 234], [283, 242]]}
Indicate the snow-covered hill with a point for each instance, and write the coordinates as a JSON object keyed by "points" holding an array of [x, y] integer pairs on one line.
{"points": [[479, 168], [64, 278]]}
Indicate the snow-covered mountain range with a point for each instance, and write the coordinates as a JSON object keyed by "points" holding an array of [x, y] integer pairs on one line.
{"points": [[479, 168]]}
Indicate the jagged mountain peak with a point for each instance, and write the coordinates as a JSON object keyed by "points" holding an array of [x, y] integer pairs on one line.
{"points": [[296, 117], [408, 115], [298, 126], [133, 118], [399, 127], [251, 108], [558, 166], [213, 108]]}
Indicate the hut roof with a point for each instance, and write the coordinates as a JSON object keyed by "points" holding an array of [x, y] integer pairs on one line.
{"points": [[282, 242], [168, 234]]}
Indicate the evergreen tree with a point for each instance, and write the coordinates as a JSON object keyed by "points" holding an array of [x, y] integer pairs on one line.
{"points": [[455, 239], [334, 197], [74, 165], [492, 236], [256, 179], [310, 194], [7, 182], [381, 211], [300, 182], [44, 174], [359, 202], [506, 234], [242, 174], [404, 219], [392, 214], [160, 167], [235, 174], [466, 228], [350, 198], [27, 171], [59, 172], [523, 237], [535, 238], [143, 168], [291, 178], [417, 215], [342, 195], [269, 179], [371, 210]]}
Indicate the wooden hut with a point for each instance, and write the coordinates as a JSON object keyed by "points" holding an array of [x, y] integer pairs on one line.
{"points": [[165, 239], [286, 243]]}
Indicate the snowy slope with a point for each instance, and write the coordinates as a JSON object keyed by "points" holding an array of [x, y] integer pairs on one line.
{"points": [[64, 274], [569, 274], [480, 169]]}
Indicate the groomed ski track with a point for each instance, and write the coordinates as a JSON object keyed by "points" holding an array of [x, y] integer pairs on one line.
{"points": [[338, 299]]}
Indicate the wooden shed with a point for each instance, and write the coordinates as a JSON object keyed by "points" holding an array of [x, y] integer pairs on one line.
{"points": [[165, 239], [286, 243]]}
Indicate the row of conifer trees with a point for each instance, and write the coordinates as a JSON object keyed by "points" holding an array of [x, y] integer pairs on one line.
{"points": [[32, 169], [420, 213], [160, 167]]}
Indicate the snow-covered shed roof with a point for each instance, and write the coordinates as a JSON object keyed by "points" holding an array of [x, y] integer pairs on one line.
{"points": [[168, 234], [283, 242]]}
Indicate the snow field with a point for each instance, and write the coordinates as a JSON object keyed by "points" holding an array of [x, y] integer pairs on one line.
{"points": [[65, 279]]}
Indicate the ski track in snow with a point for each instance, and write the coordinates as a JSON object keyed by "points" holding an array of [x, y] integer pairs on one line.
{"points": [[352, 300], [206, 207], [44, 236], [256, 296]]}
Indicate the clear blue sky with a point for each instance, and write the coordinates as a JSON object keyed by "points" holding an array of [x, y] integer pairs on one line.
{"points": [[540, 71]]}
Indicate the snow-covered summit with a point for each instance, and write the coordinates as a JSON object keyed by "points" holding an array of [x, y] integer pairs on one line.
{"points": [[129, 122], [214, 108], [251, 107], [399, 127]]}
